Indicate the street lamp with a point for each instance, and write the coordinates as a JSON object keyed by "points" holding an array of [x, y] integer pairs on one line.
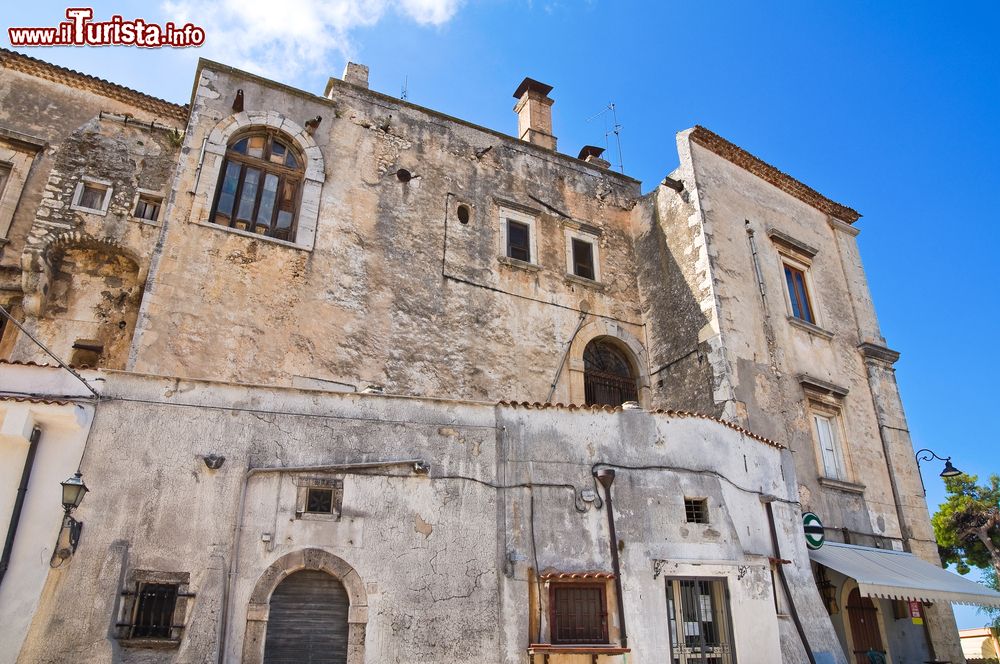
{"points": [[73, 491], [927, 455]]}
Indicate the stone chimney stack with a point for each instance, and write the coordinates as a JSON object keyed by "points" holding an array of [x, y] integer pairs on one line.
{"points": [[356, 74], [534, 113]]}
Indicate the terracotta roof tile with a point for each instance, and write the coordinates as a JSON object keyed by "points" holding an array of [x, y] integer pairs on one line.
{"points": [[35, 67], [550, 574], [765, 171], [659, 411]]}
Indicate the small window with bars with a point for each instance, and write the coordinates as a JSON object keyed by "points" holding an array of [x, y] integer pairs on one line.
{"points": [[148, 208], [696, 510], [154, 607], [318, 497], [578, 613], [319, 500], [699, 621]]}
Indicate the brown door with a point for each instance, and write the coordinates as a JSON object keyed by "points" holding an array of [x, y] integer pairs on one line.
{"points": [[865, 634]]}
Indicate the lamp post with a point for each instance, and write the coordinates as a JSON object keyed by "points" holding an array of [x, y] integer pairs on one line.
{"points": [[73, 491], [928, 455]]}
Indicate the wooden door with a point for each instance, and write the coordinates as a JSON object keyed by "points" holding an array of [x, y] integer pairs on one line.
{"points": [[307, 622], [865, 634]]}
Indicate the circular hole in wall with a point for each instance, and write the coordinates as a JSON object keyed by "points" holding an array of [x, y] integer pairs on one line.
{"points": [[404, 175], [463, 214]]}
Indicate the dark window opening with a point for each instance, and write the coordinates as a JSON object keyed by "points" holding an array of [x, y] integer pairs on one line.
{"points": [[578, 613], [319, 501], [518, 241], [4, 177], [798, 294], [154, 613], [92, 197], [696, 510], [259, 186], [463, 214], [607, 375], [583, 259], [147, 208]]}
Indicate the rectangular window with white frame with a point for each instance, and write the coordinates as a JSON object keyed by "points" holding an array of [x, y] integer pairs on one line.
{"points": [[517, 236], [92, 195], [828, 431], [583, 254], [147, 206]]}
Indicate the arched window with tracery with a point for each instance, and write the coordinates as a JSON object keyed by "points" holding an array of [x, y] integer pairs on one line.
{"points": [[608, 376], [259, 185]]}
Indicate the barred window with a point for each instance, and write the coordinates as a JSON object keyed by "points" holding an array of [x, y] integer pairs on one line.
{"points": [[696, 510], [699, 623], [607, 375], [578, 613]]}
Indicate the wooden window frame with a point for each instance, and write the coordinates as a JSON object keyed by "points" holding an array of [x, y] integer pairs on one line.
{"points": [[834, 414], [508, 216], [266, 167], [602, 592], [799, 302], [127, 626], [149, 199], [93, 183]]}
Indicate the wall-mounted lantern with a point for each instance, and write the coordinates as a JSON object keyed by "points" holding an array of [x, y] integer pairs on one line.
{"points": [[73, 491]]}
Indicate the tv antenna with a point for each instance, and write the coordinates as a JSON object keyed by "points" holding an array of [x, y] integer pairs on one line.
{"points": [[404, 93], [615, 129]]}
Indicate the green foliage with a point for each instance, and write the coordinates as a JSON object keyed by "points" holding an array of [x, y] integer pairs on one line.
{"points": [[991, 579], [969, 505]]}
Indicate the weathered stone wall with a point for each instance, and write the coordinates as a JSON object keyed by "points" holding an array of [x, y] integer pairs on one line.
{"points": [[445, 561], [394, 290]]}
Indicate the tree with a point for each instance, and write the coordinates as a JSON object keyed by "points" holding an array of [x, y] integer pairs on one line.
{"points": [[967, 528]]}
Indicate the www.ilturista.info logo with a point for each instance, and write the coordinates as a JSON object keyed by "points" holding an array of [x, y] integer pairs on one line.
{"points": [[81, 30]]}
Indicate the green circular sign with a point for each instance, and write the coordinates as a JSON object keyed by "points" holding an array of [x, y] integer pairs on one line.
{"points": [[814, 530]]}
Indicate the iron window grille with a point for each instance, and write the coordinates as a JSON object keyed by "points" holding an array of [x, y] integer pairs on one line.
{"points": [[578, 613], [154, 610], [607, 376], [696, 510], [319, 500], [699, 622]]}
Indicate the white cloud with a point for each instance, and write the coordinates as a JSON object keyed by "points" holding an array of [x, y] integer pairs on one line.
{"points": [[283, 38]]}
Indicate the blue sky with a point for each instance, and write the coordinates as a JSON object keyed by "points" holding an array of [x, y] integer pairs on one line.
{"points": [[891, 107]]}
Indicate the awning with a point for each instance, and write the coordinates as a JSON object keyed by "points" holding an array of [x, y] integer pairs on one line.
{"points": [[898, 575]]}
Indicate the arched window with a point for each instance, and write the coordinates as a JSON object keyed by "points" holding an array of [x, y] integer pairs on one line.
{"points": [[307, 620], [608, 376], [259, 186]]}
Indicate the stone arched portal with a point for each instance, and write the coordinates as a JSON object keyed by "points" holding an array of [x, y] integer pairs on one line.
{"points": [[307, 559]]}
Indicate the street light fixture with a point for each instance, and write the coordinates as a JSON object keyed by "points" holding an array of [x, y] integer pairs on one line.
{"points": [[73, 491], [928, 455]]}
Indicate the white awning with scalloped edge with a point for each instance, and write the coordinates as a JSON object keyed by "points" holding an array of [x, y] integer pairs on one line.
{"points": [[898, 575]]}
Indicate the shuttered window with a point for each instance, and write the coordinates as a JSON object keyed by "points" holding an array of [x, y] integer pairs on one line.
{"points": [[826, 433], [307, 622]]}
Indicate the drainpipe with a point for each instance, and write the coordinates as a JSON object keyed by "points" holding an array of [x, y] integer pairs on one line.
{"points": [[22, 490], [606, 476], [229, 586], [780, 564]]}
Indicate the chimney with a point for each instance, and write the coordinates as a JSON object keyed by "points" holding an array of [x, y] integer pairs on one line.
{"points": [[356, 74], [592, 155], [534, 113]]}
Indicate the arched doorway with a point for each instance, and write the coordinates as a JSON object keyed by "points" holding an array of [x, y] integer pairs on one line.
{"points": [[307, 621], [862, 617], [608, 374]]}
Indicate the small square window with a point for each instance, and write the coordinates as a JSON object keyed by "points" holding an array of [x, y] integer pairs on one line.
{"points": [[148, 208], [518, 241], [154, 612], [578, 613], [798, 294], [92, 196], [583, 259], [319, 500], [696, 510]]}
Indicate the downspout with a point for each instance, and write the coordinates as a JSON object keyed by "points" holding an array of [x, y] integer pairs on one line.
{"points": [[22, 490], [229, 586], [780, 564], [606, 476]]}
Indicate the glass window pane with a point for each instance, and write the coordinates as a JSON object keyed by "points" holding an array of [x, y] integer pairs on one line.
{"points": [[267, 198], [249, 194], [284, 219], [291, 161], [240, 146], [278, 152], [790, 282], [517, 241], [800, 284], [92, 197], [227, 196], [255, 147]]}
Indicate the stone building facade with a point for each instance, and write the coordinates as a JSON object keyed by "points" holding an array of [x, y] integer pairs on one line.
{"points": [[349, 337]]}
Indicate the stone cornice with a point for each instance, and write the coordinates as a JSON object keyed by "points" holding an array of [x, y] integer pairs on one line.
{"points": [[813, 384], [872, 351], [737, 155], [74, 79]]}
